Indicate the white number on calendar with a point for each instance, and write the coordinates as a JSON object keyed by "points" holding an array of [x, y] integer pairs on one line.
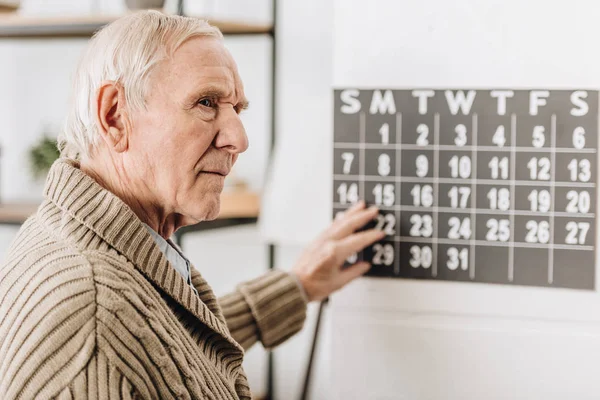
{"points": [[423, 138], [575, 228], [579, 137], [348, 193], [457, 259], [579, 202], [459, 229], [422, 195], [421, 257], [422, 225], [499, 167], [580, 171], [460, 167], [461, 135], [348, 158], [384, 254], [539, 169], [422, 164], [499, 139], [386, 223], [384, 131], [538, 137], [499, 199], [498, 230], [539, 200], [537, 232], [459, 196], [383, 164], [384, 194]]}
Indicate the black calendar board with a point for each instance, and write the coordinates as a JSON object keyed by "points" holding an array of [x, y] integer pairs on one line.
{"points": [[495, 186]]}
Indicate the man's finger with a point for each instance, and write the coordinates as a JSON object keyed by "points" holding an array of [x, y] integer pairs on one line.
{"points": [[354, 222], [359, 205], [358, 241], [356, 207], [353, 272]]}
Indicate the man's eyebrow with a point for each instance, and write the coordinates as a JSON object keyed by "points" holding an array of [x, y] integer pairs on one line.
{"points": [[211, 91]]}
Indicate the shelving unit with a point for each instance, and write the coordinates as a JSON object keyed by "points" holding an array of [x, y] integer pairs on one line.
{"points": [[235, 205], [16, 26], [237, 208]]}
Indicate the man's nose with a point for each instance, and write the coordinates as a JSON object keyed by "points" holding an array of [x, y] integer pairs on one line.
{"points": [[232, 135]]}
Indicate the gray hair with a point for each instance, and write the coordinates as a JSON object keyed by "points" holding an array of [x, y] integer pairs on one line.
{"points": [[124, 51]]}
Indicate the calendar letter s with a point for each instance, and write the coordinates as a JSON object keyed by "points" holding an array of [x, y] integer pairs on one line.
{"points": [[581, 106], [351, 103]]}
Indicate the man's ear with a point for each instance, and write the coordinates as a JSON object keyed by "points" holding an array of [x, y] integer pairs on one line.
{"points": [[112, 118]]}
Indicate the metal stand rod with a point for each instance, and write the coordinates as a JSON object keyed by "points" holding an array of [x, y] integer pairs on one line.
{"points": [[313, 348], [270, 358]]}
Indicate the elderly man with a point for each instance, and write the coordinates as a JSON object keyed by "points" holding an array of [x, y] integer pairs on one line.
{"points": [[95, 300]]}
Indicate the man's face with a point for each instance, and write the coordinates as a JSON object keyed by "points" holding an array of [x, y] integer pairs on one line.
{"points": [[189, 136]]}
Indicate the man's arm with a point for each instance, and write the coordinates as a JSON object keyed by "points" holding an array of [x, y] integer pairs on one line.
{"points": [[273, 307], [269, 309]]}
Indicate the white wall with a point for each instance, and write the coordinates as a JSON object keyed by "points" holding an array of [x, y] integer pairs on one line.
{"points": [[411, 339], [425, 340], [297, 191]]}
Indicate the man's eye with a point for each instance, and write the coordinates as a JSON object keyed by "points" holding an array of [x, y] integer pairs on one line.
{"points": [[207, 103]]}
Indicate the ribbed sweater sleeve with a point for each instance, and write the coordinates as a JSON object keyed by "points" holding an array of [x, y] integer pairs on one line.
{"points": [[269, 309]]}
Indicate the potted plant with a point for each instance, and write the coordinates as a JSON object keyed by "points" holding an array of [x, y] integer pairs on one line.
{"points": [[42, 155]]}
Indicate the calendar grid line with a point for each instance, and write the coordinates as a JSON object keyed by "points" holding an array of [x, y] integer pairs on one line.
{"points": [[472, 249], [436, 190], [492, 182], [398, 173], [552, 197], [513, 141], [509, 244], [448, 147], [485, 211], [361, 156]]}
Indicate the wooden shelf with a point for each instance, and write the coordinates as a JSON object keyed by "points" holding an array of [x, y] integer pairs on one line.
{"points": [[6, 5], [238, 204], [234, 204], [17, 26], [16, 214]]}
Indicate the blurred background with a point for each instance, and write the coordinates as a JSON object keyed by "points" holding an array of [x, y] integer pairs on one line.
{"points": [[379, 339], [40, 42]]}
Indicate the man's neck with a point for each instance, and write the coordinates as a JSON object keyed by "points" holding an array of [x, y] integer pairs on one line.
{"points": [[114, 177]]}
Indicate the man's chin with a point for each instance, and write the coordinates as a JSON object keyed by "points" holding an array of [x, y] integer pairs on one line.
{"points": [[214, 213], [208, 210]]}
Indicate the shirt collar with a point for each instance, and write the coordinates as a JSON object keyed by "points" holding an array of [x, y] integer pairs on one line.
{"points": [[177, 260]]}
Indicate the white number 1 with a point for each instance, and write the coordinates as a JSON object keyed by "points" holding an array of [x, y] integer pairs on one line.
{"points": [[384, 131]]}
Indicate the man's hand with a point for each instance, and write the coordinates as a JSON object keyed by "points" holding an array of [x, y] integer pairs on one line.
{"points": [[319, 269]]}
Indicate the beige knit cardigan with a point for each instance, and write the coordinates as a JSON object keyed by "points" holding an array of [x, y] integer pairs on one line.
{"points": [[91, 308]]}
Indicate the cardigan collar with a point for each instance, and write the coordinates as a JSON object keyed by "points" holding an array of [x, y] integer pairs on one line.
{"points": [[79, 195]]}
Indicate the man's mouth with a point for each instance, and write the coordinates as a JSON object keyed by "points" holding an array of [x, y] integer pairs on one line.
{"points": [[219, 172]]}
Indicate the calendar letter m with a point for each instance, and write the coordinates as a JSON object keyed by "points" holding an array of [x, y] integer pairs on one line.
{"points": [[382, 103]]}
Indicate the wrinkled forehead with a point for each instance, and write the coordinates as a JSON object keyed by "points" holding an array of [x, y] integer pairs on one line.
{"points": [[198, 62]]}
